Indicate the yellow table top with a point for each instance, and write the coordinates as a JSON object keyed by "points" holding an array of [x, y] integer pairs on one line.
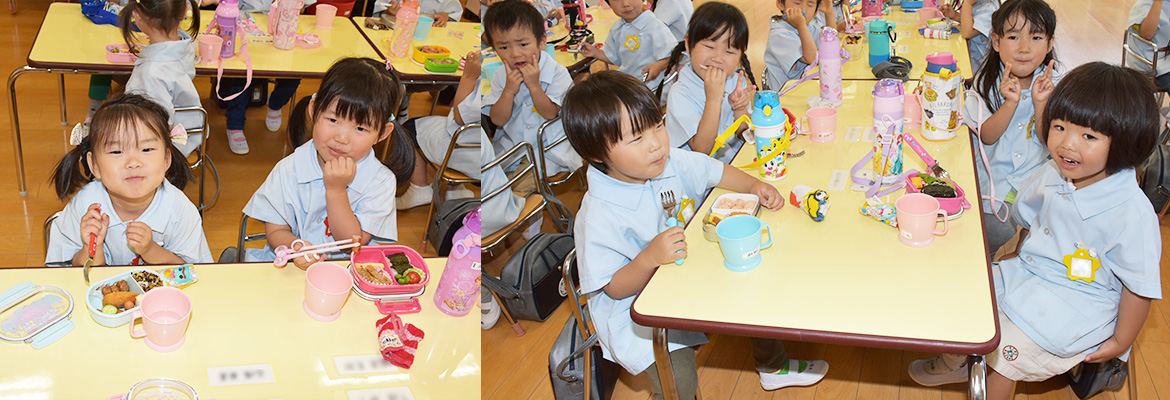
{"points": [[459, 37], [603, 19], [910, 44], [70, 40], [844, 280], [243, 314]]}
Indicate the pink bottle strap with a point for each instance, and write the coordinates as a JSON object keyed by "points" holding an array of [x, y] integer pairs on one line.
{"points": [[974, 126], [243, 51], [808, 75]]}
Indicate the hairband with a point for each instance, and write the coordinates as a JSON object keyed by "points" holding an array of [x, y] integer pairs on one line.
{"points": [[80, 132]]}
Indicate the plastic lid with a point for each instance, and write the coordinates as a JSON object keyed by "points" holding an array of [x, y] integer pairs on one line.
{"points": [[888, 87], [766, 109], [162, 388], [828, 34], [878, 26], [27, 310], [472, 220], [941, 58]]}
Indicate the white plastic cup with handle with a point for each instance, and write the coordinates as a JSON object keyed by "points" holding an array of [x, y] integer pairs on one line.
{"points": [[165, 313], [325, 14]]}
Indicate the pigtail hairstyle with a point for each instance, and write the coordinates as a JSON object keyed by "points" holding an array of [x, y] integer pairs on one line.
{"points": [[1040, 17], [710, 21], [165, 15], [364, 90], [120, 116]]}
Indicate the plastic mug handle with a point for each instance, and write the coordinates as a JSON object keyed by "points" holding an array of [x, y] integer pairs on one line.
{"points": [[768, 231], [943, 214], [804, 128], [137, 334]]}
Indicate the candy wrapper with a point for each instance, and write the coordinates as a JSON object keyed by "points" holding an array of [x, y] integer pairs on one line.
{"points": [[179, 277], [398, 341], [814, 202], [881, 212]]}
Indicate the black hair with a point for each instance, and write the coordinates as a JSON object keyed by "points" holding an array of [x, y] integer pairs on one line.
{"points": [[510, 14], [162, 14], [366, 91], [119, 117], [1115, 101], [710, 21], [1039, 16], [592, 113]]}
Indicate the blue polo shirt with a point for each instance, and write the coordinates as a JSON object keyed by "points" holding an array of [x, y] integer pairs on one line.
{"points": [[782, 56], [676, 14], [1140, 9], [634, 45], [686, 100], [978, 46], [525, 121]]}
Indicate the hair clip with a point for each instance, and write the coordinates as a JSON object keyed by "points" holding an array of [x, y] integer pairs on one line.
{"points": [[179, 134], [314, 96], [78, 135], [389, 66]]}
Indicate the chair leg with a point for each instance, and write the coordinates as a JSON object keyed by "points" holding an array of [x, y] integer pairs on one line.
{"points": [[1131, 379], [508, 316], [434, 100]]}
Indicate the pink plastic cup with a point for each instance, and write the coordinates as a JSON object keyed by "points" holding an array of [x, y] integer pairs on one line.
{"points": [[325, 14], [820, 123], [165, 313], [209, 48], [912, 112], [917, 215], [926, 14], [327, 286]]}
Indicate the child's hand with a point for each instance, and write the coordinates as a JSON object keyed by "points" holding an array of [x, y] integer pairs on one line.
{"points": [[94, 222], [665, 247], [589, 50], [472, 65], [1009, 85], [795, 18], [741, 98], [1108, 350], [531, 73], [393, 7], [139, 237], [514, 79], [653, 70], [440, 20], [1042, 86], [300, 261], [769, 196], [338, 173], [949, 11], [713, 82]]}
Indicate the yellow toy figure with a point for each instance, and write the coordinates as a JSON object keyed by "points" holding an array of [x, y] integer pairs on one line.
{"points": [[814, 202]]}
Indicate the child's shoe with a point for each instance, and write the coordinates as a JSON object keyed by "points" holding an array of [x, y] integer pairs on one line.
{"points": [[489, 310], [237, 142], [797, 373], [460, 193], [415, 196], [941, 370], [273, 120]]}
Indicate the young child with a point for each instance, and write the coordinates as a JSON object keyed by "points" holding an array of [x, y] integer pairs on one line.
{"points": [[443, 10], [1151, 20], [638, 43], [165, 67], [974, 24], [433, 135], [676, 14], [792, 39], [709, 95], [333, 187], [614, 122], [528, 89], [1078, 287], [128, 178], [1013, 85]]}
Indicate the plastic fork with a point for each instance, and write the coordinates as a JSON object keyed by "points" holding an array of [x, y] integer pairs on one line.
{"points": [[668, 204]]}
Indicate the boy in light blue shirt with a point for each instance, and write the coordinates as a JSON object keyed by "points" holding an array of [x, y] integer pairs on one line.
{"points": [[1151, 20], [975, 25], [676, 14], [792, 38], [613, 120], [638, 43]]}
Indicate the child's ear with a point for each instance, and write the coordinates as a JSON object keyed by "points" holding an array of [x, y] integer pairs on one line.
{"points": [[387, 131], [92, 168], [995, 42], [309, 109]]}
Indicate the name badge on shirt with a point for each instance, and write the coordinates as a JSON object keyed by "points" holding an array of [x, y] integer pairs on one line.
{"points": [[632, 42], [1082, 264]]}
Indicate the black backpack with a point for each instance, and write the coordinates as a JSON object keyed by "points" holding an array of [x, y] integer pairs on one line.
{"points": [[448, 219], [1156, 173], [1088, 379], [530, 285], [566, 366]]}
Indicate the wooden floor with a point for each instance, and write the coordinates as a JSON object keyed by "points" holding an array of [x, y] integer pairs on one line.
{"points": [[516, 367], [45, 140]]}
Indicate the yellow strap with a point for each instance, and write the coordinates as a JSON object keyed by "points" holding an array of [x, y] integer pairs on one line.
{"points": [[722, 139], [784, 143]]}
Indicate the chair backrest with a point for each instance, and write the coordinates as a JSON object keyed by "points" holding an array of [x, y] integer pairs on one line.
{"points": [[524, 149], [442, 168], [48, 225], [542, 149], [580, 300], [203, 160], [245, 237], [1128, 52]]}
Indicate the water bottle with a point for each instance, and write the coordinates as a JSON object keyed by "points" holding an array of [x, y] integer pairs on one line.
{"points": [[458, 288], [830, 61], [942, 97], [407, 19], [283, 21], [772, 129], [888, 96], [878, 35], [226, 15]]}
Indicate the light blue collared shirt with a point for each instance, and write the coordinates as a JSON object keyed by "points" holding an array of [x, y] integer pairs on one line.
{"points": [[175, 223], [676, 14], [978, 46], [686, 99], [1114, 220], [622, 218], [1017, 153], [499, 211], [782, 56], [294, 195], [164, 73], [434, 134], [634, 45], [525, 121], [1138, 13]]}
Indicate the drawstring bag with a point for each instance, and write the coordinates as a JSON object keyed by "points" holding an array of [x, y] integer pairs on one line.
{"points": [[101, 12]]}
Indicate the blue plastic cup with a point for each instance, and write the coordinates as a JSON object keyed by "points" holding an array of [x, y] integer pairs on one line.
{"points": [[741, 239], [423, 27], [551, 50]]}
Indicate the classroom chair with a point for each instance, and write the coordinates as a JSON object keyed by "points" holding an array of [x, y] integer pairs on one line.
{"points": [[1152, 65], [244, 237], [584, 320], [445, 176], [202, 159], [48, 224], [561, 177], [534, 203]]}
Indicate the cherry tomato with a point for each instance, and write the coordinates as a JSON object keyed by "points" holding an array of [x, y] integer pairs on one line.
{"points": [[414, 277]]}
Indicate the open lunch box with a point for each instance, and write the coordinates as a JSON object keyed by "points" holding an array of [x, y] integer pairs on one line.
{"points": [[952, 205], [138, 281], [388, 295], [726, 205], [35, 314]]}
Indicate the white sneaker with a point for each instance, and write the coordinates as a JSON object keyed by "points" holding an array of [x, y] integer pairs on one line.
{"points": [[489, 310], [460, 193], [798, 373], [415, 196], [273, 120], [533, 228], [237, 142], [935, 371]]}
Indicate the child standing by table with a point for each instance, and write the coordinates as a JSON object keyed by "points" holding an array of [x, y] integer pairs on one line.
{"points": [[128, 178], [333, 187], [613, 121], [974, 24], [1078, 287], [1013, 85], [709, 95], [792, 39], [676, 14], [443, 10], [165, 68], [1151, 20], [638, 43], [528, 89]]}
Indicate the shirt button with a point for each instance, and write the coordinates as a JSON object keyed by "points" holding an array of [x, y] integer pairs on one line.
{"points": [[1029, 258], [1016, 154], [1047, 232], [1064, 196]]}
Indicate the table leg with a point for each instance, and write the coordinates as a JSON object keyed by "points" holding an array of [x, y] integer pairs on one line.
{"points": [[665, 370], [978, 378], [16, 146], [61, 84]]}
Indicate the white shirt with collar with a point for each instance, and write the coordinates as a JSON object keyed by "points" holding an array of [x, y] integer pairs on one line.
{"points": [[434, 134], [619, 221], [978, 46], [1115, 222], [634, 45], [1137, 14], [784, 50], [175, 223], [525, 121], [294, 195], [676, 14], [164, 73], [687, 99]]}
